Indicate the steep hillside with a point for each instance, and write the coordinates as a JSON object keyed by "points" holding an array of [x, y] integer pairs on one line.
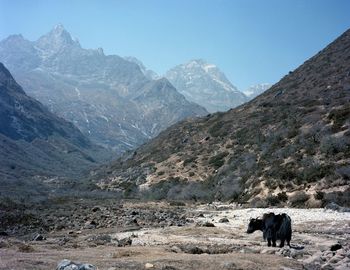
{"points": [[291, 143], [36, 143], [206, 85], [99, 93]]}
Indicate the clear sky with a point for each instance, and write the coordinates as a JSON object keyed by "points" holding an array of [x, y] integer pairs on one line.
{"points": [[252, 41]]}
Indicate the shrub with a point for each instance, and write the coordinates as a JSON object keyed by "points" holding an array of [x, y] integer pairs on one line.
{"points": [[258, 203], [319, 195], [333, 145], [272, 200], [298, 198], [218, 129], [129, 188], [314, 173], [282, 196], [25, 248], [218, 160], [189, 161], [344, 172], [339, 116]]}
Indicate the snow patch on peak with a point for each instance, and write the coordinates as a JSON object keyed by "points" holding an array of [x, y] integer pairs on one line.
{"points": [[207, 67], [59, 27]]}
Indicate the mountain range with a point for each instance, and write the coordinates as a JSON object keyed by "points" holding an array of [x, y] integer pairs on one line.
{"points": [[205, 84], [35, 143], [290, 144], [110, 99]]}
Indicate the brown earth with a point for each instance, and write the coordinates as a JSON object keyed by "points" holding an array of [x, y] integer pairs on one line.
{"points": [[165, 236]]}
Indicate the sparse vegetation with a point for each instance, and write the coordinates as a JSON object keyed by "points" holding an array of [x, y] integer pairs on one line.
{"points": [[293, 136], [298, 199], [218, 160], [339, 116]]}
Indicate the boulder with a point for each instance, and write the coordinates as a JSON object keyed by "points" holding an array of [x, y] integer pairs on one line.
{"points": [[38, 237], [335, 247], [125, 242], [224, 220], [69, 265]]}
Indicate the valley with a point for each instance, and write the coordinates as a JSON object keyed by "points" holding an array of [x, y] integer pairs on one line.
{"points": [[108, 163], [114, 234]]}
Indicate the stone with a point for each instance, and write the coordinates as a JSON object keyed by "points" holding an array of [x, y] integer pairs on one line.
{"points": [[63, 265], [168, 267], [87, 266], [95, 209], [314, 259], [267, 251], [230, 266], [69, 265], [101, 239], [224, 220], [327, 266], [343, 267], [125, 242], [175, 249], [149, 266], [38, 237], [4, 244], [208, 224], [3, 233], [335, 247]]}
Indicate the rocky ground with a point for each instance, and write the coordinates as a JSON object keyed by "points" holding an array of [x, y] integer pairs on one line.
{"points": [[134, 235]]}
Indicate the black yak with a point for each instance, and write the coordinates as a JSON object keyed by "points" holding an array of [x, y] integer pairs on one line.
{"points": [[274, 227]]}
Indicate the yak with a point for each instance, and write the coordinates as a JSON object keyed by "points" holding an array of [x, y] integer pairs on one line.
{"points": [[274, 227]]}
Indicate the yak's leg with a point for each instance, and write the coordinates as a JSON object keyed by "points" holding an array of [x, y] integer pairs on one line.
{"points": [[269, 242], [274, 240], [282, 243]]}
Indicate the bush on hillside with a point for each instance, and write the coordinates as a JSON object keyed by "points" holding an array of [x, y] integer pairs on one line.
{"points": [[218, 160]]}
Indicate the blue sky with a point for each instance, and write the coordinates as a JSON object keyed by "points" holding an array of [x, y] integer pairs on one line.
{"points": [[252, 41]]}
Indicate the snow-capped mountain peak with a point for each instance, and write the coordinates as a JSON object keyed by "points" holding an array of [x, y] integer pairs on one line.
{"points": [[56, 40], [257, 89], [204, 83]]}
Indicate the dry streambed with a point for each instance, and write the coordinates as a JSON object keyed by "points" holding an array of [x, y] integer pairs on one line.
{"points": [[196, 237]]}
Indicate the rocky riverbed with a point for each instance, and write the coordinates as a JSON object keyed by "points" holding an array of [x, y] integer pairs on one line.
{"points": [[144, 235]]}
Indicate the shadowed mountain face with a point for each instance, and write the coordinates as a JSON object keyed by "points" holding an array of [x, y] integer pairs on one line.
{"points": [[100, 94], [206, 85], [36, 143], [290, 143]]}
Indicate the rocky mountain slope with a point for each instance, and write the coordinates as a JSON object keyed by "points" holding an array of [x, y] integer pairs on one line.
{"points": [[206, 85], [257, 89], [150, 74], [36, 143], [289, 144], [101, 94]]}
